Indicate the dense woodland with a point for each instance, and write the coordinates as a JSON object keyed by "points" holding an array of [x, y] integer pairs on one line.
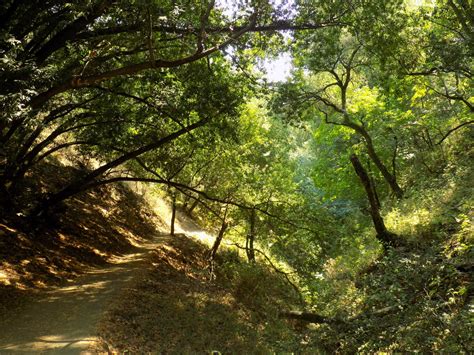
{"points": [[352, 178]]}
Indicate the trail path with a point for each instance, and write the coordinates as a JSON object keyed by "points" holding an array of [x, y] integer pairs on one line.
{"points": [[63, 319]]}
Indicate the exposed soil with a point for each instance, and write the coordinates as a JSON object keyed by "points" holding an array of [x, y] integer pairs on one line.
{"points": [[57, 277], [64, 318]]}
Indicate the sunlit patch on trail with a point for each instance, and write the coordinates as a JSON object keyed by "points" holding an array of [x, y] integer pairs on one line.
{"points": [[201, 236], [56, 342], [183, 224]]}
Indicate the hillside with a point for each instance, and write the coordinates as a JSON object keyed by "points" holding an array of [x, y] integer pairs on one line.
{"points": [[103, 274], [106, 276]]}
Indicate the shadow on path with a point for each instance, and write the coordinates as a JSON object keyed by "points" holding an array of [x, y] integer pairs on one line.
{"points": [[64, 319]]}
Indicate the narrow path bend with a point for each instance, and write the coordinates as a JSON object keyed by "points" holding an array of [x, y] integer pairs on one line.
{"points": [[63, 319]]}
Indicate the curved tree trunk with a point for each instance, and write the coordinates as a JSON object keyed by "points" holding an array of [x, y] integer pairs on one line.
{"points": [[88, 181], [390, 178], [385, 237]]}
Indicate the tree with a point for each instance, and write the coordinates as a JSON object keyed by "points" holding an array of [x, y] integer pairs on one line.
{"points": [[72, 56], [338, 77], [387, 238]]}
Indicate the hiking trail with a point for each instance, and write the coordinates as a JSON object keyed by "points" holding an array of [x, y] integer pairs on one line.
{"points": [[63, 319]]}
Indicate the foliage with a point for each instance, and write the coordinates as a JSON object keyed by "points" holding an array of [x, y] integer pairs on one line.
{"points": [[416, 298], [409, 302]]}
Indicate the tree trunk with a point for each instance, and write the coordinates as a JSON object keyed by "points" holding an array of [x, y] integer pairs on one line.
{"points": [[249, 248], [173, 213], [389, 178], [191, 208], [220, 236], [385, 237], [374, 187], [88, 181], [217, 242]]}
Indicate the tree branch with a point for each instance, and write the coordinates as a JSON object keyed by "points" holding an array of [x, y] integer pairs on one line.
{"points": [[455, 98], [453, 130], [91, 80], [274, 26]]}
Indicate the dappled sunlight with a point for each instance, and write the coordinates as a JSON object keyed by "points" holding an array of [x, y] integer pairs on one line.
{"points": [[214, 176], [200, 236], [65, 317], [6, 228], [177, 308], [183, 224], [53, 342], [88, 230], [6, 276], [111, 228]]}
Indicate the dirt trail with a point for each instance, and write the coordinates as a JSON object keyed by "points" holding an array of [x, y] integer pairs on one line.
{"points": [[63, 319]]}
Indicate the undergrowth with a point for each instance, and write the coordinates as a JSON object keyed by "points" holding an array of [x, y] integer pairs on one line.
{"points": [[416, 298]]}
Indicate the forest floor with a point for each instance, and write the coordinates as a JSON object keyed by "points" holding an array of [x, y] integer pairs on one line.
{"points": [[103, 275], [57, 280]]}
